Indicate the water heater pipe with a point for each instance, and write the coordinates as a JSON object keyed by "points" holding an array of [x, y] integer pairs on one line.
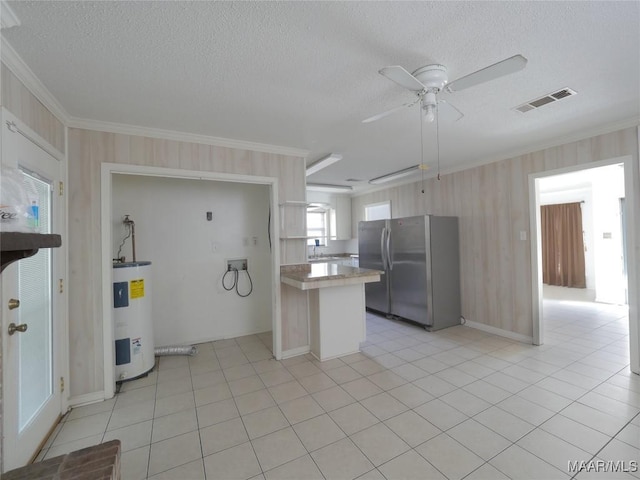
{"points": [[132, 225]]}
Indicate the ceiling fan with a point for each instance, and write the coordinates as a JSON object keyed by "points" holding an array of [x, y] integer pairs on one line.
{"points": [[428, 81]]}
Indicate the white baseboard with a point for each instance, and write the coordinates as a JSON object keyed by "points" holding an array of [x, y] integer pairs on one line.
{"points": [[294, 352], [499, 331], [86, 399]]}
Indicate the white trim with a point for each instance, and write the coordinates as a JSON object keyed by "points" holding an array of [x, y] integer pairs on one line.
{"points": [[122, 128], [107, 172], [86, 399], [499, 331], [535, 240], [65, 275], [31, 82], [632, 187], [632, 183], [8, 17], [295, 352]]}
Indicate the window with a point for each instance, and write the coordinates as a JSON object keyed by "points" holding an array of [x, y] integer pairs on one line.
{"points": [[317, 224], [377, 211]]}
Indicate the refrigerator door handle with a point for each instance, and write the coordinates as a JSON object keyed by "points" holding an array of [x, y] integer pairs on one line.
{"points": [[388, 247], [382, 251]]}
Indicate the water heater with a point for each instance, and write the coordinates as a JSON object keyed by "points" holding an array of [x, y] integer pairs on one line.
{"points": [[133, 327]]}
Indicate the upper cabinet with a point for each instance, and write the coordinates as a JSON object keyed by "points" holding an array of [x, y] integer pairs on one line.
{"points": [[339, 213], [342, 217]]}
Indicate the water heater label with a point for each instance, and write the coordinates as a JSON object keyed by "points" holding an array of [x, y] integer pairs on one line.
{"points": [[137, 288], [136, 346]]}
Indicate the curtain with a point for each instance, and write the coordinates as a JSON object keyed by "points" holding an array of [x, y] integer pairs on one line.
{"points": [[563, 245]]}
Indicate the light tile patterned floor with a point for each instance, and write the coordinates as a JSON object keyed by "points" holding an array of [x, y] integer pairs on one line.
{"points": [[458, 403]]}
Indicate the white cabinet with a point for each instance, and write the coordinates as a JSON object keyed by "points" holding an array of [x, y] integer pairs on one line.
{"points": [[339, 212], [343, 217], [293, 220]]}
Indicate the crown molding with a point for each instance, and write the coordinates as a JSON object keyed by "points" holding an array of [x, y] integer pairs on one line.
{"points": [[8, 17], [22, 71], [125, 129]]}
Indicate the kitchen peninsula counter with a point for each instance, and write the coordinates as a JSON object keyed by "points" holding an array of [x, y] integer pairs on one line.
{"points": [[320, 275], [337, 315]]}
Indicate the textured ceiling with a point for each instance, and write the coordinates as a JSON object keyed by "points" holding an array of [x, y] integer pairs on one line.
{"points": [[304, 74]]}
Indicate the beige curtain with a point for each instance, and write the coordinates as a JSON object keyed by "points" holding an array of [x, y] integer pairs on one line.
{"points": [[562, 245]]}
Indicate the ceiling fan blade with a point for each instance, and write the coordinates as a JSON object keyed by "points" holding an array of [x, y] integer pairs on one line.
{"points": [[389, 112], [448, 112], [505, 67], [383, 114], [402, 77]]}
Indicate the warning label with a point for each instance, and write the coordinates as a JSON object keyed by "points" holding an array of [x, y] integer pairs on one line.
{"points": [[137, 288], [136, 346]]}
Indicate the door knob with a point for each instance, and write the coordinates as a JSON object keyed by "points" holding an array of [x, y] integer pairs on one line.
{"points": [[13, 328], [13, 303]]}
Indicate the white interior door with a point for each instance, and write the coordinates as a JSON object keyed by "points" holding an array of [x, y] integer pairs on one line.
{"points": [[31, 359]]}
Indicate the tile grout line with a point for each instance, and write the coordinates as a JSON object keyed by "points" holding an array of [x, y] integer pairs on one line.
{"points": [[637, 415]]}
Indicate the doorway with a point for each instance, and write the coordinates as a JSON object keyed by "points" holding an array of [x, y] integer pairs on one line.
{"points": [[33, 350], [266, 187], [598, 188]]}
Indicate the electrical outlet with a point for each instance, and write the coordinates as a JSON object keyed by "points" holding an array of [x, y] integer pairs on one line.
{"points": [[237, 264]]}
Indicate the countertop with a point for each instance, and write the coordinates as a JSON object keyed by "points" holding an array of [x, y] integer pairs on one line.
{"points": [[321, 275], [331, 257]]}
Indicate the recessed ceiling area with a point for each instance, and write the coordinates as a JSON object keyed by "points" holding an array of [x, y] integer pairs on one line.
{"points": [[304, 75]]}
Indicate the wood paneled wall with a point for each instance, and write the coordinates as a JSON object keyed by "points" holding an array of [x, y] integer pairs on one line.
{"points": [[492, 203], [87, 151], [24, 105]]}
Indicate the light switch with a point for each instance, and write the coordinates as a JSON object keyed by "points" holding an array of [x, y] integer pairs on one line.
{"points": [[523, 235]]}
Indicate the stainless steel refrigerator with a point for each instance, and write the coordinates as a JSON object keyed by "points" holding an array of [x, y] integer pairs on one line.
{"points": [[420, 259]]}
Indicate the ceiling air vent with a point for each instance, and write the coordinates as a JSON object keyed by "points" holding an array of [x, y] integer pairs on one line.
{"points": [[550, 98]]}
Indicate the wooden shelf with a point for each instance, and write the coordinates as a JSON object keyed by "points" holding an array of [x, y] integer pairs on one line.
{"points": [[15, 246]]}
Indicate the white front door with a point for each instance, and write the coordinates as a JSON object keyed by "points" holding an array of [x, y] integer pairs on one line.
{"points": [[31, 366]]}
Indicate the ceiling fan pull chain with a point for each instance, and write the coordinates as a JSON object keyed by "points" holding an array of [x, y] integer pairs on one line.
{"points": [[421, 145], [438, 139]]}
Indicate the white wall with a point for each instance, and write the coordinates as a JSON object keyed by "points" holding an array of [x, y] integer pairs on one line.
{"points": [[608, 188], [189, 253]]}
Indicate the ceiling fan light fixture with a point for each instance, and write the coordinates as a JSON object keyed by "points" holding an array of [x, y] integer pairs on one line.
{"points": [[323, 163], [429, 113], [395, 175]]}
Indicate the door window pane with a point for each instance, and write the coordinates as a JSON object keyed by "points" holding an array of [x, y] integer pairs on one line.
{"points": [[34, 290]]}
